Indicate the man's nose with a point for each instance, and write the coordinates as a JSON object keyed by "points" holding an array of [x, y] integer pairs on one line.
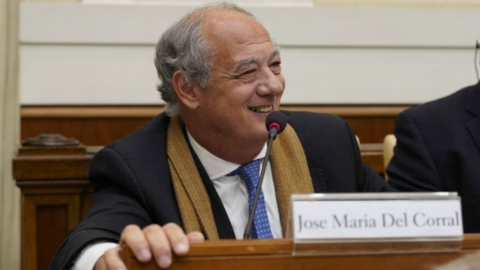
{"points": [[271, 84]]}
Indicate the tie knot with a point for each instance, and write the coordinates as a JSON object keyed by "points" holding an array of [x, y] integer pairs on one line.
{"points": [[249, 173]]}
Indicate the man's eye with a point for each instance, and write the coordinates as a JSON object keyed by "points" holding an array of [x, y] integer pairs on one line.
{"points": [[275, 64], [275, 67], [251, 71]]}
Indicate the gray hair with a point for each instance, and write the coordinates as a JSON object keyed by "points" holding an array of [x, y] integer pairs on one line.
{"points": [[184, 47]]}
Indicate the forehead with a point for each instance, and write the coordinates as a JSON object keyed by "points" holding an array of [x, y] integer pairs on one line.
{"points": [[235, 35]]}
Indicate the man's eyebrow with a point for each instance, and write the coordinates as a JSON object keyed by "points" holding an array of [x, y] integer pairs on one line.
{"points": [[253, 60], [273, 54], [245, 62]]}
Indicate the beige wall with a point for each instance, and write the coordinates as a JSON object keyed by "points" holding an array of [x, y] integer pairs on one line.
{"points": [[78, 53]]}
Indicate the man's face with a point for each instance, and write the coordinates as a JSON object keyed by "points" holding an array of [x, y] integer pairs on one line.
{"points": [[246, 82]]}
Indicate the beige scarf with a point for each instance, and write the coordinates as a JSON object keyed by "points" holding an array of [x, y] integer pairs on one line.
{"points": [[290, 174]]}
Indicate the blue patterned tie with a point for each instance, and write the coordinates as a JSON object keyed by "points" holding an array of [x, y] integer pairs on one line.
{"points": [[250, 174]]}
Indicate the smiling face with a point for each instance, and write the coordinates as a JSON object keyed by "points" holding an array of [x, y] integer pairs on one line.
{"points": [[246, 84]]}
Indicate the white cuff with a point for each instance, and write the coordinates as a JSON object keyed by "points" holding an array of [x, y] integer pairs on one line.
{"points": [[90, 255]]}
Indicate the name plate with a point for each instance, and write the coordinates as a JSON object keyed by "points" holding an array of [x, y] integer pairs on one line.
{"points": [[376, 216]]}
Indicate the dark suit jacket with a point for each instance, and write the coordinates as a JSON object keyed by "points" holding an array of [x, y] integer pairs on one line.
{"points": [[133, 185], [438, 149]]}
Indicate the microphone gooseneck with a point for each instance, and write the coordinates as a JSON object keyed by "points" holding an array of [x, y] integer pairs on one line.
{"points": [[275, 124]]}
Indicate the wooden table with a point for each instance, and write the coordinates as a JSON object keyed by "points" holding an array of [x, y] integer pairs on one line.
{"points": [[278, 255]]}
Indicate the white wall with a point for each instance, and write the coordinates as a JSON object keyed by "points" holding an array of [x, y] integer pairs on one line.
{"points": [[103, 53]]}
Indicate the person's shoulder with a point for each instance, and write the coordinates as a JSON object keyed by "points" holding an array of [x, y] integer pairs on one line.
{"points": [[318, 126], [151, 133], [452, 103], [312, 118]]}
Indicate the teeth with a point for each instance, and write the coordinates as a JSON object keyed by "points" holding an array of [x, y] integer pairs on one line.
{"points": [[261, 109]]}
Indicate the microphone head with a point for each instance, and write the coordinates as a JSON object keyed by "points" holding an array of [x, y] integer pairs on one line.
{"points": [[276, 119]]}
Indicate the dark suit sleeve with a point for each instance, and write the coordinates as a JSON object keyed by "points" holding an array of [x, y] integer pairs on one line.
{"points": [[118, 202], [412, 167], [373, 181]]}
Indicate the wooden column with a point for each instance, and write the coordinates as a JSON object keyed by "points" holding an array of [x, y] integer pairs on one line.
{"points": [[51, 172]]}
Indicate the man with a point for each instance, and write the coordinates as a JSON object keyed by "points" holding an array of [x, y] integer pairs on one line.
{"points": [[438, 149], [221, 76]]}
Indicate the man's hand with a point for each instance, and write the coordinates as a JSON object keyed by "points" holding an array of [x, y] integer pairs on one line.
{"points": [[153, 242]]}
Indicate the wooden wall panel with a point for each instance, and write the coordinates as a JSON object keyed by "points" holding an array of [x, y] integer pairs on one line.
{"points": [[99, 125], [96, 131], [51, 219], [372, 129], [47, 219]]}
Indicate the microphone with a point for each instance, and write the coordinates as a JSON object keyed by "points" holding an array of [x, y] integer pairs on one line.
{"points": [[275, 124]]}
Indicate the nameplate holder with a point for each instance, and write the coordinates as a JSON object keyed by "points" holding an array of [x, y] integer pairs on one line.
{"points": [[364, 223]]}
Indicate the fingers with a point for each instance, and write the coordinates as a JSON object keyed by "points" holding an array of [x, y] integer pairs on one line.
{"points": [[134, 237], [153, 241], [159, 245], [164, 240], [177, 238], [111, 260], [100, 264], [196, 237]]}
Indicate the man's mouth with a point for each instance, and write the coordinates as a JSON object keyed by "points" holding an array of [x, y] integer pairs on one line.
{"points": [[265, 109]]}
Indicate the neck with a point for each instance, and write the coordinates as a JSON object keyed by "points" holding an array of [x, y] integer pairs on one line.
{"points": [[226, 147], [240, 153]]}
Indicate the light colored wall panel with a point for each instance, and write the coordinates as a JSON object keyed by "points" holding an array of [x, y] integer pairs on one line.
{"points": [[54, 74], [126, 74], [374, 75], [293, 26], [103, 54]]}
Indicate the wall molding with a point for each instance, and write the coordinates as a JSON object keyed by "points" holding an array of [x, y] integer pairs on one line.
{"points": [[151, 111], [99, 125]]}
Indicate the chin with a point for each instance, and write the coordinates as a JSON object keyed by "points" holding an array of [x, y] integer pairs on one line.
{"points": [[262, 135]]}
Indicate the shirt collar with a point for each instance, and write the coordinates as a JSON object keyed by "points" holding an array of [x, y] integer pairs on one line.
{"points": [[215, 166]]}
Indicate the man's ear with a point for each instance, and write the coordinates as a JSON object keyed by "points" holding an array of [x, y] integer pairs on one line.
{"points": [[185, 91]]}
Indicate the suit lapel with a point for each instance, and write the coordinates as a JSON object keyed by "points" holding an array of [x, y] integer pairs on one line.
{"points": [[474, 129], [472, 106]]}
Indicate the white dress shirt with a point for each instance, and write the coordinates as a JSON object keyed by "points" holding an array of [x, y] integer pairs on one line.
{"points": [[232, 190]]}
